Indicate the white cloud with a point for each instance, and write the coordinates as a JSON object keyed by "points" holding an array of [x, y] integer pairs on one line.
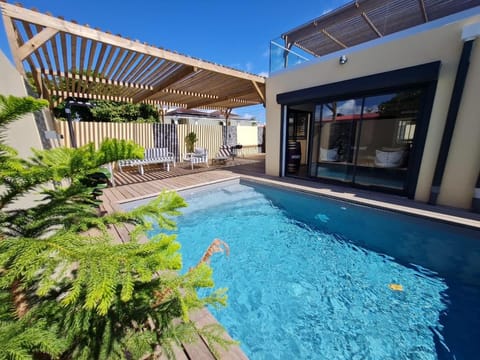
{"points": [[263, 73], [249, 66], [247, 116], [349, 107]]}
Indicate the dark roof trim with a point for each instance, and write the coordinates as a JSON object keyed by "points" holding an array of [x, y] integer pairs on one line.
{"points": [[367, 84]]}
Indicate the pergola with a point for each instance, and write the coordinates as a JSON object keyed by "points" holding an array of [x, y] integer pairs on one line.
{"points": [[66, 60], [363, 20]]}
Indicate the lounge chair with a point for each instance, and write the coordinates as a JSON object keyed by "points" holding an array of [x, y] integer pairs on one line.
{"points": [[223, 154], [200, 155], [151, 156]]}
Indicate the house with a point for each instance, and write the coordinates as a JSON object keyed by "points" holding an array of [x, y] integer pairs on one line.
{"points": [[388, 100], [198, 117]]}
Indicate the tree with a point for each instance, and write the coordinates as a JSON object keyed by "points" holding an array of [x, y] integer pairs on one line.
{"points": [[67, 290], [111, 111], [190, 141]]}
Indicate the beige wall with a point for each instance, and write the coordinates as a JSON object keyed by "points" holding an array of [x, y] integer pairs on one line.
{"points": [[22, 134], [395, 52]]}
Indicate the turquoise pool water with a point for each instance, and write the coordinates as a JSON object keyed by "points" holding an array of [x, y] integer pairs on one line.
{"points": [[309, 278]]}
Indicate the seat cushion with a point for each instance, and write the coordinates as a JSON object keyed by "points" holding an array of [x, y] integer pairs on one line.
{"points": [[329, 154], [389, 158]]}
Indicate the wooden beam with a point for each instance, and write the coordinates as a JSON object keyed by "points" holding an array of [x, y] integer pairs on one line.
{"points": [[424, 10], [66, 94], [88, 33], [334, 39], [101, 55], [213, 99], [13, 40], [371, 24], [144, 64], [36, 42], [174, 77], [94, 79], [117, 59], [259, 92]]}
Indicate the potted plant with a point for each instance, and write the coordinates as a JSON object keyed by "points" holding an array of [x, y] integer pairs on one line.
{"points": [[190, 141]]}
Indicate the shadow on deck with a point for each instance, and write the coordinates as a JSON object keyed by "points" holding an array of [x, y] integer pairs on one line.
{"points": [[251, 165]]}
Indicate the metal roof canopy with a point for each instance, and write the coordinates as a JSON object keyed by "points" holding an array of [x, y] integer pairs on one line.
{"points": [[363, 20], [71, 60]]}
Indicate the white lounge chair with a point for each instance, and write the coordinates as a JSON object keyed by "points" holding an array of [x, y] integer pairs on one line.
{"points": [[151, 156], [223, 154], [200, 155]]}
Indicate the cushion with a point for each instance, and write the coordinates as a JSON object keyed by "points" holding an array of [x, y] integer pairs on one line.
{"points": [[329, 154], [389, 158], [199, 151]]}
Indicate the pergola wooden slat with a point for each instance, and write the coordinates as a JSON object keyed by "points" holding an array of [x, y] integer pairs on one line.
{"points": [[68, 59], [363, 20]]}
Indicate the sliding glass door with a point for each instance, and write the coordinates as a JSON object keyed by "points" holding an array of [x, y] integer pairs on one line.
{"points": [[386, 139], [362, 140], [336, 130]]}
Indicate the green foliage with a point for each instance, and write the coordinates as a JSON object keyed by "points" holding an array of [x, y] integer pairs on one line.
{"points": [[190, 141], [110, 111], [12, 107], [85, 295]]}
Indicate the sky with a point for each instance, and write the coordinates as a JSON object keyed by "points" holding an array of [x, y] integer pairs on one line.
{"points": [[230, 33]]}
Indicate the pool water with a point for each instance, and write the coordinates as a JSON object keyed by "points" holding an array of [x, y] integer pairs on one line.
{"points": [[314, 278]]}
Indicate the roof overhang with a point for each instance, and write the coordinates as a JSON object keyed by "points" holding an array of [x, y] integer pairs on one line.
{"points": [[363, 20], [71, 60]]}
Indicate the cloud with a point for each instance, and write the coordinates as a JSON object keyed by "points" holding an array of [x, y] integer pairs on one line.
{"points": [[263, 73], [249, 66]]}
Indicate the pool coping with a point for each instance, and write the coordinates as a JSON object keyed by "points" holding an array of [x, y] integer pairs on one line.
{"points": [[413, 208], [365, 198]]}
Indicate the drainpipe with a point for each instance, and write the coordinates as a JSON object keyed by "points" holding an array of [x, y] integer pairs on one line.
{"points": [[469, 34]]}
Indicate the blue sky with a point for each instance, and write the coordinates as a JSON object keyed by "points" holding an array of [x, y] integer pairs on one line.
{"points": [[231, 33]]}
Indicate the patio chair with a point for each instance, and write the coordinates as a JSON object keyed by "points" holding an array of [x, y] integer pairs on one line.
{"points": [[223, 155], [200, 155], [151, 156]]}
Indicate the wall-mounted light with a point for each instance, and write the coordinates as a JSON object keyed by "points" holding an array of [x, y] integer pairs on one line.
{"points": [[343, 59]]}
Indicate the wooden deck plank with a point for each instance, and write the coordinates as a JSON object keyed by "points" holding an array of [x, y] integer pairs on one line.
{"points": [[202, 318], [198, 350], [179, 354]]}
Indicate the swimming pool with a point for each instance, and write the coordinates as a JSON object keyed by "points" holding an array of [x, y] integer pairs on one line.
{"points": [[315, 278]]}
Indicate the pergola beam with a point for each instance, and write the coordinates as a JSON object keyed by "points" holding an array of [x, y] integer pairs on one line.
{"points": [[371, 24], [213, 99], [36, 42], [424, 10], [67, 94], [34, 17], [175, 76], [259, 92], [94, 79], [334, 39], [13, 40]]}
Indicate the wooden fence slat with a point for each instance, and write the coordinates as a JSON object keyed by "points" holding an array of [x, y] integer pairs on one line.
{"points": [[209, 136]]}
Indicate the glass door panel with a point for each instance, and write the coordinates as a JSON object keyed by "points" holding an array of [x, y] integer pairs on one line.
{"points": [[385, 139], [336, 138]]}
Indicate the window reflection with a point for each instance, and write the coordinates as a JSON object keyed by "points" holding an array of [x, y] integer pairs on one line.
{"points": [[365, 140]]}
